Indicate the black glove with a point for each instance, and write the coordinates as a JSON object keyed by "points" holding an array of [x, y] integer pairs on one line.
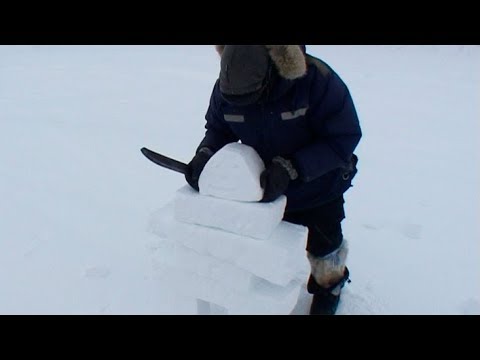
{"points": [[276, 178], [196, 166]]}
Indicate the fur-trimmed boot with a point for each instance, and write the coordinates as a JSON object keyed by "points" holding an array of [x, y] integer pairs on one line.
{"points": [[325, 301], [329, 275]]}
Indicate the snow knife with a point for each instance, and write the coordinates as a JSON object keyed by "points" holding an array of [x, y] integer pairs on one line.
{"points": [[165, 161]]}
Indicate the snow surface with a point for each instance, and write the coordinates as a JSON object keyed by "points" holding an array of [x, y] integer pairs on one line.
{"points": [[76, 195]]}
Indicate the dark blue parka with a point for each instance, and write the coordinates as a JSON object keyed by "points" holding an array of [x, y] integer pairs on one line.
{"points": [[309, 119]]}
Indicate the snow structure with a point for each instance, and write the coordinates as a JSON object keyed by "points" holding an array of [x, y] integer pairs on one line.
{"points": [[221, 246]]}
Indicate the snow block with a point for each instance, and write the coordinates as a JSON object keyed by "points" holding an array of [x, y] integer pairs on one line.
{"points": [[257, 220], [177, 256], [161, 219], [254, 302], [207, 308], [279, 259], [233, 173]]}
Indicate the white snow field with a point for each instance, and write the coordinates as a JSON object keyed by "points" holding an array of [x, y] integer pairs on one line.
{"points": [[83, 224]]}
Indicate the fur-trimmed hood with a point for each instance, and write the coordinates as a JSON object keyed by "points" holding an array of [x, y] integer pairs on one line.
{"points": [[289, 59]]}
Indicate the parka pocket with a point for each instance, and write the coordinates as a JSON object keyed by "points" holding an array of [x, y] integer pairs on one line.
{"points": [[344, 177]]}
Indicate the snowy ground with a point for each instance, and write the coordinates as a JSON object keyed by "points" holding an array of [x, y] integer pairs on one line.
{"points": [[76, 194]]}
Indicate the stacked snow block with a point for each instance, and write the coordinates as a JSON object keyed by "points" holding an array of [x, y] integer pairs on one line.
{"points": [[235, 256]]}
